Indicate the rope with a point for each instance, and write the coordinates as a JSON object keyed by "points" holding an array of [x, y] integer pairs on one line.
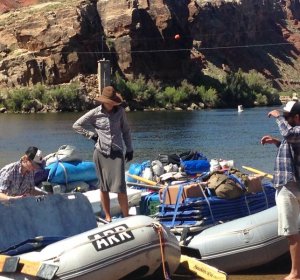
{"points": [[158, 227], [65, 171]]}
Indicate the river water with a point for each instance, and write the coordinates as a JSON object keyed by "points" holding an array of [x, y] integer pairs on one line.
{"points": [[224, 134]]}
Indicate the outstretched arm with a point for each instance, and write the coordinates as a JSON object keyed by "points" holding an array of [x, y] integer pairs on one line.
{"points": [[267, 139], [3, 196]]}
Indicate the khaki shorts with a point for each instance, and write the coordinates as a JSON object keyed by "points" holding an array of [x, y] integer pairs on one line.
{"points": [[288, 205]]}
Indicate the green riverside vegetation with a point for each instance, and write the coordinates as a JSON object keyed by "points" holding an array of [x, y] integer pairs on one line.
{"points": [[62, 98], [249, 89]]}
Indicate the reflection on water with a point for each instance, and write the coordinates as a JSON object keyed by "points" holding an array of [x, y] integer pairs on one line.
{"points": [[216, 133]]}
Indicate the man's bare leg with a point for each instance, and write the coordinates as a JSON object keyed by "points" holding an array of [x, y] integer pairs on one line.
{"points": [[294, 246]]}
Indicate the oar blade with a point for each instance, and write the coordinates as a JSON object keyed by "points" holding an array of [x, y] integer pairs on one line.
{"points": [[47, 271], [8, 263], [38, 269], [201, 269]]}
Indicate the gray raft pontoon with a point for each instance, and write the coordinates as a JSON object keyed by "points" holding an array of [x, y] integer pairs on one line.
{"points": [[128, 247], [240, 244]]}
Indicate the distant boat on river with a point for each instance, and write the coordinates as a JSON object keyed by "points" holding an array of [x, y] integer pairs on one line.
{"points": [[240, 108]]}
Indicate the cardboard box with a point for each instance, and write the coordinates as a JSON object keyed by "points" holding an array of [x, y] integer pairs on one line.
{"points": [[254, 183], [189, 191]]}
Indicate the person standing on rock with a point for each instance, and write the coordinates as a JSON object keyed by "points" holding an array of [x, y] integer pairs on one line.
{"points": [[286, 179], [111, 132]]}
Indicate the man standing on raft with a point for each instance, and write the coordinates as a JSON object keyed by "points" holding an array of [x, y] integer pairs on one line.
{"points": [[286, 179]]}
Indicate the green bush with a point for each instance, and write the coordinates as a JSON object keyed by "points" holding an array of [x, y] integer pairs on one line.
{"points": [[62, 98], [262, 88], [236, 91], [38, 92], [17, 100], [121, 86], [261, 99], [209, 97], [65, 98], [138, 89]]}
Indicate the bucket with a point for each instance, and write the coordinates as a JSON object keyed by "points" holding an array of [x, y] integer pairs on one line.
{"points": [[214, 165], [226, 164]]}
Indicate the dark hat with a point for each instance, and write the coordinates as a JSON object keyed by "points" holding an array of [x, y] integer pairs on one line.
{"points": [[110, 96], [292, 107], [35, 155]]}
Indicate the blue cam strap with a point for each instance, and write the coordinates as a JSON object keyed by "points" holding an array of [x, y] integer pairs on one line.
{"points": [[179, 195]]}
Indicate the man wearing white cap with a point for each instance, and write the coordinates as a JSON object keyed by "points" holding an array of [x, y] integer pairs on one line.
{"points": [[286, 179], [17, 178]]}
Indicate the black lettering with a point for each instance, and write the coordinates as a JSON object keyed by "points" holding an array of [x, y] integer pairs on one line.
{"points": [[111, 237]]}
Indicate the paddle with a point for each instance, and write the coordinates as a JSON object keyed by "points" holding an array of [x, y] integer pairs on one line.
{"points": [[134, 184], [256, 171], [149, 184], [139, 178], [38, 269], [201, 269], [10, 264]]}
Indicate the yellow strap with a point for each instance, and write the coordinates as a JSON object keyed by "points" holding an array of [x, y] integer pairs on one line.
{"points": [[201, 269], [256, 171]]}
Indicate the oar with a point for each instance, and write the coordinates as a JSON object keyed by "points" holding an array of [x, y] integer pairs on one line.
{"points": [[149, 184], [141, 185], [134, 184], [10, 264], [201, 269], [139, 178], [256, 171], [38, 269], [153, 185]]}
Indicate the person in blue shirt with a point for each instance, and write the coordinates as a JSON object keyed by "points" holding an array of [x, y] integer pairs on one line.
{"points": [[286, 179]]}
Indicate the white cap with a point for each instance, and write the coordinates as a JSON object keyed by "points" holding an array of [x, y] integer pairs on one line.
{"points": [[292, 107]]}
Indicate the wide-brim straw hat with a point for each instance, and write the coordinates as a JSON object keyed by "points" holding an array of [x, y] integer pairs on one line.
{"points": [[110, 96]]}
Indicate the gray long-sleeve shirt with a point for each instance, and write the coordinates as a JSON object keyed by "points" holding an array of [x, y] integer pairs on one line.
{"points": [[112, 129]]}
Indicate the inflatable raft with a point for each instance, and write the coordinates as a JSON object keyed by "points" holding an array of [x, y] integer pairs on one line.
{"points": [[239, 244], [129, 248], [230, 234]]}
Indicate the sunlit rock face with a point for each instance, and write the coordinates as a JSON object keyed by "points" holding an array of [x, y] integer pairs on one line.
{"points": [[56, 41]]}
